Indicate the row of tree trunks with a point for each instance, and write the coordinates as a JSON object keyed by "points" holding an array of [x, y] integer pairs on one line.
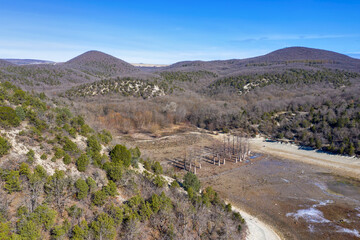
{"points": [[232, 149]]}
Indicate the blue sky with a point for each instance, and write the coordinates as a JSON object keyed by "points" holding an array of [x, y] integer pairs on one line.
{"points": [[171, 31]]}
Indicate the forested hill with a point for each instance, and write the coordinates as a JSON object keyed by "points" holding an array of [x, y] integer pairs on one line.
{"points": [[100, 64], [299, 57], [4, 63], [61, 179], [261, 95]]}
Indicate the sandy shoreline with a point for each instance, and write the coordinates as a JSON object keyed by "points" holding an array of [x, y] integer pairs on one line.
{"points": [[257, 230], [341, 165]]}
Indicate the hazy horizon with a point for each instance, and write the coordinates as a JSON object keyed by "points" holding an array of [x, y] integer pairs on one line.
{"points": [[357, 56]]}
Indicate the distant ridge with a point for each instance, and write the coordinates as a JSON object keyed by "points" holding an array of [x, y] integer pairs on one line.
{"points": [[303, 53], [28, 61], [100, 64], [298, 57], [4, 63]]}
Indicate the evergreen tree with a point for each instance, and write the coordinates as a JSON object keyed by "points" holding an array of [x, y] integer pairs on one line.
{"points": [[82, 189], [191, 180], [82, 162], [12, 181], [4, 146], [120, 155], [103, 227]]}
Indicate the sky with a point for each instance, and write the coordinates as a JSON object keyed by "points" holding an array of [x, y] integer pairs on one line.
{"points": [[165, 32]]}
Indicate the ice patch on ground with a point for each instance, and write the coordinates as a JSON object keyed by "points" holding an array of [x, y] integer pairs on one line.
{"points": [[312, 214], [350, 231], [285, 180]]}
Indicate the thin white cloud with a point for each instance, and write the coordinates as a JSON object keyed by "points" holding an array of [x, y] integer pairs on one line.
{"points": [[277, 37]]}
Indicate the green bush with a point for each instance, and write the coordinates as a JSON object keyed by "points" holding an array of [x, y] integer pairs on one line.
{"points": [[12, 181], [24, 169], [120, 155], [44, 216], [159, 181], [63, 115], [157, 168], [29, 230], [147, 165], [174, 184], [113, 171], [59, 153], [75, 212], [237, 217], [191, 180], [110, 189], [116, 213], [85, 130], [40, 171], [91, 183], [4, 146], [99, 198], [44, 156], [103, 227], [5, 231], [69, 145], [82, 162], [67, 159], [105, 136], [93, 145], [8, 117], [77, 122], [82, 189], [160, 203], [80, 231], [58, 232], [30, 154], [20, 113], [99, 160]]}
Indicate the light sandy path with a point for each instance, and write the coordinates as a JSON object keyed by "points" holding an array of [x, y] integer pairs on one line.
{"points": [[342, 165], [257, 230]]}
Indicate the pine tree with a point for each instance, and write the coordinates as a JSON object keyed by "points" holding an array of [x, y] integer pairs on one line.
{"points": [[103, 227], [12, 181], [120, 155], [82, 189], [82, 162]]}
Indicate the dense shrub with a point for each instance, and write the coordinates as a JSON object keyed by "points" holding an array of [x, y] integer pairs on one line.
{"points": [[8, 117], [103, 227], [82, 162], [82, 189], [67, 159], [157, 168], [120, 155], [191, 180], [4, 146], [12, 181], [99, 198], [114, 171]]}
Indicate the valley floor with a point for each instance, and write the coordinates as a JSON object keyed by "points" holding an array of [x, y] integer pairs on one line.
{"points": [[301, 194]]}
